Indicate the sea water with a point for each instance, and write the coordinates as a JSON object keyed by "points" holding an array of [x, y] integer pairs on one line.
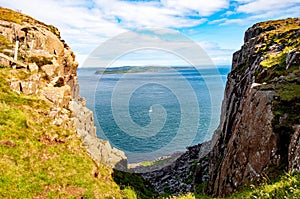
{"points": [[153, 114]]}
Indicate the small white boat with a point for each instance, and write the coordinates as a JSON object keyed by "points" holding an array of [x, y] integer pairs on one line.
{"points": [[150, 110]]}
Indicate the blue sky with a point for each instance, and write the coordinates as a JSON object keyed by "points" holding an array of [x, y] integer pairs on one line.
{"points": [[218, 26]]}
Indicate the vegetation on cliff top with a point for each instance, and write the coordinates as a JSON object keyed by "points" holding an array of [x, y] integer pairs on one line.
{"points": [[19, 18], [280, 70], [286, 186], [41, 160]]}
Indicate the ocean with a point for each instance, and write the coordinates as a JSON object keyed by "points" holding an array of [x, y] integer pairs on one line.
{"points": [[153, 114]]}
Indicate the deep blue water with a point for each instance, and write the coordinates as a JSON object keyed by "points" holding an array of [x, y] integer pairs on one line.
{"points": [[149, 115]]}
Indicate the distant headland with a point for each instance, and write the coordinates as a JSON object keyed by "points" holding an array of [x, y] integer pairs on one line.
{"points": [[138, 69]]}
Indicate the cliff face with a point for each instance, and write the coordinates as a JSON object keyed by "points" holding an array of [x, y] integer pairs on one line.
{"points": [[49, 71], [259, 127]]}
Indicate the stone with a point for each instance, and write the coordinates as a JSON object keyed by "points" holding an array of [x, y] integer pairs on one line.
{"points": [[16, 86], [294, 151], [33, 67], [59, 96], [4, 62], [49, 70], [29, 87], [178, 176], [292, 59]]}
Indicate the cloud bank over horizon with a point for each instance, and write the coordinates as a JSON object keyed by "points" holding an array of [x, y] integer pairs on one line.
{"points": [[217, 26]]}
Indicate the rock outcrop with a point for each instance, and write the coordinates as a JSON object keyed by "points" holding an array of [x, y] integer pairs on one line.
{"points": [[50, 73], [259, 127], [178, 177], [258, 134]]}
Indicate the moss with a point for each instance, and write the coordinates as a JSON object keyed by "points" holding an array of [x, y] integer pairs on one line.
{"points": [[54, 30], [270, 61], [289, 92], [284, 186], [4, 43], [19, 18], [200, 189], [10, 16], [59, 82], [16, 16], [286, 108], [142, 187], [39, 60]]}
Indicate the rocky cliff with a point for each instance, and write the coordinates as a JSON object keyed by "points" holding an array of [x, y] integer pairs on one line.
{"points": [[258, 133], [49, 70]]}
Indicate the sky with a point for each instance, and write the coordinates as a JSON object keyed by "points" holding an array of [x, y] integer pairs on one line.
{"points": [[217, 26]]}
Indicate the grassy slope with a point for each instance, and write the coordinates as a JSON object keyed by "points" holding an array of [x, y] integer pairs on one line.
{"points": [[287, 186], [41, 160], [37, 159]]}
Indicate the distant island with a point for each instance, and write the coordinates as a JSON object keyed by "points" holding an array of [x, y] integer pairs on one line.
{"points": [[137, 69]]}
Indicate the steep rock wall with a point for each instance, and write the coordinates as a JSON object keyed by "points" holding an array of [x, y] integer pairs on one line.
{"points": [[259, 127], [49, 70], [258, 134]]}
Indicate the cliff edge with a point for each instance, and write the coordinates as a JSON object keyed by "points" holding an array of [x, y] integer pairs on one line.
{"points": [[49, 71], [258, 133]]}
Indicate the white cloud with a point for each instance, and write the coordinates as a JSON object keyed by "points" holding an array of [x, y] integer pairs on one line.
{"points": [[162, 48], [148, 14], [85, 24], [259, 6], [219, 56], [82, 27], [247, 12], [203, 8]]}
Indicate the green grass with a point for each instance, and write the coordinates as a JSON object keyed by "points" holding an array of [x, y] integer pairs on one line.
{"points": [[39, 60], [141, 187], [278, 59], [160, 162], [38, 159], [286, 186], [9, 16], [19, 18], [284, 35], [4, 43]]}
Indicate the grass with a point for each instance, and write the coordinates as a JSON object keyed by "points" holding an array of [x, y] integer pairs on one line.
{"points": [[9, 16], [4, 43], [281, 25], [39, 60], [286, 186], [160, 162], [141, 187], [41, 160], [19, 18], [270, 61]]}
